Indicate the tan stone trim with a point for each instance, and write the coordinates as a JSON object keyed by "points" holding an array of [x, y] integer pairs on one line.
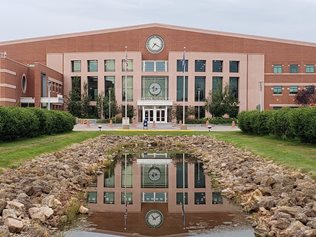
{"points": [[7, 100], [54, 80], [172, 27], [284, 105], [290, 84], [290, 74], [7, 71], [8, 85]]}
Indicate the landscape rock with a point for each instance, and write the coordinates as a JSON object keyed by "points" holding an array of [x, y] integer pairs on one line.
{"points": [[83, 210], [14, 225]]}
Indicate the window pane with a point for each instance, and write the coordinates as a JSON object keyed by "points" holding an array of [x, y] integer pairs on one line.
{"points": [[217, 198], [129, 90], [44, 85], [180, 88], [199, 198], [200, 65], [277, 68], [129, 198], [199, 112], [180, 171], [180, 65], [233, 86], [76, 66], [294, 68], [217, 84], [109, 65], [217, 66], [149, 66], [127, 174], [160, 197], [199, 176], [180, 198], [293, 90], [92, 65], [109, 177], [93, 88], [199, 88], [128, 65], [310, 68], [277, 90], [76, 87], [148, 197], [161, 66], [233, 66], [109, 83], [92, 197], [109, 198]]}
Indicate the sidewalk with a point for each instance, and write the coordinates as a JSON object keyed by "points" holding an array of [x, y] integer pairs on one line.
{"points": [[167, 126]]}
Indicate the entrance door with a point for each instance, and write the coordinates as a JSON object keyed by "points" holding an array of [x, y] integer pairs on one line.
{"points": [[155, 114], [149, 114], [160, 116]]}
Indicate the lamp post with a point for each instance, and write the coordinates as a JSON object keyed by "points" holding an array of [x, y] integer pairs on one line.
{"points": [[49, 85], [125, 120], [260, 95]]}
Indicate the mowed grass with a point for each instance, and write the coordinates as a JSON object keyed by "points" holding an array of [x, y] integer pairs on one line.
{"points": [[290, 153]]}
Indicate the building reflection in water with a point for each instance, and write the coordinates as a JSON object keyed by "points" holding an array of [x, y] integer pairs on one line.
{"points": [[157, 194]]}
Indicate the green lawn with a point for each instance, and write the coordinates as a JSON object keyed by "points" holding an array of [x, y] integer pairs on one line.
{"points": [[290, 153]]}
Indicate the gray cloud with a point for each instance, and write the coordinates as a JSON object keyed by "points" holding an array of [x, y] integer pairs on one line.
{"points": [[291, 19]]}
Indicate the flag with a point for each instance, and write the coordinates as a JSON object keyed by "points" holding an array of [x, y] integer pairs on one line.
{"points": [[183, 62], [126, 59]]}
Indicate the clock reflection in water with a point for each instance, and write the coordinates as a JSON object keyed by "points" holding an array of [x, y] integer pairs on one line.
{"points": [[154, 174], [154, 218]]}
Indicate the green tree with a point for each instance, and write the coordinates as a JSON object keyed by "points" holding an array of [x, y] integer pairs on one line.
{"points": [[85, 102], [221, 102], [306, 96], [74, 99]]}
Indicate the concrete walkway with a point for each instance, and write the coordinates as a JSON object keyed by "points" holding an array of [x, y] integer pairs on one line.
{"points": [[139, 127]]}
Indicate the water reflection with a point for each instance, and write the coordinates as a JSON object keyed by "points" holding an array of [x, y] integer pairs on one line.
{"points": [[156, 194]]}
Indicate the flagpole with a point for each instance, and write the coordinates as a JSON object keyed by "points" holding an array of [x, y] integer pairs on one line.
{"points": [[125, 83], [183, 65]]}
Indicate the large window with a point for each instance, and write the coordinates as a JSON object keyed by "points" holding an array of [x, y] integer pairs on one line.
{"points": [[217, 66], [128, 65], [180, 171], [109, 177], [180, 65], [127, 175], [109, 65], [154, 88], [199, 88], [294, 68], [199, 112], [93, 87], [44, 85], [92, 65], [129, 89], [233, 86], [277, 90], [180, 88], [76, 87], [200, 65], [75, 66], [109, 83], [277, 68], [199, 176], [154, 66], [233, 66], [217, 84], [310, 68]]}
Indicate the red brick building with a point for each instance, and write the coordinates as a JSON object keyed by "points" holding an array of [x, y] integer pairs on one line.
{"points": [[154, 74]]}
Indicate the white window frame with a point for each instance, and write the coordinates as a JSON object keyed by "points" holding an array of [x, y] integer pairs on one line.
{"points": [[155, 65]]}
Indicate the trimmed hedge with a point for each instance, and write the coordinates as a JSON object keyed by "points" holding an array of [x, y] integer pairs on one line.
{"points": [[18, 122], [285, 123]]}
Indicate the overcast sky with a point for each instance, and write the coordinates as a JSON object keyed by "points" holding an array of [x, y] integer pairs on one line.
{"points": [[286, 19]]}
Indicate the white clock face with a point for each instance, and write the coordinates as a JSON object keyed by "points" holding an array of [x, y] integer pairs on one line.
{"points": [[154, 218], [154, 89], [154, 174], [155, 44]]}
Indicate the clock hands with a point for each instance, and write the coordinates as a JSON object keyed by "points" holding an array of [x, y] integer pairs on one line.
{"points": [[155, 44]]}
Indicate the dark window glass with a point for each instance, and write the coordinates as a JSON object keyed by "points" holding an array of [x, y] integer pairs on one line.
{"points": [[180, 171], [233, 66], [109, 177], [233, 86], [44, 85], [277, 68], [199, 198], [76, 87], [92, 197], [92, 65], [109, 198], [310, 89], [217, 84], [180, 198], [200, 65], [199, 112], [93, 87], [109, 83], [199, 176], [180, 65], [129, 198], [180, 88], [293, 90], [217, 198], [277, 90], [217, 66], [199, 88], [294, 68], [75, 66]]}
